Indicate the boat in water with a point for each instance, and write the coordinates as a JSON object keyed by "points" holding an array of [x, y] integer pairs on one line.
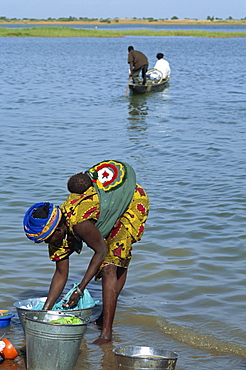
{"points": [[154, 82]]}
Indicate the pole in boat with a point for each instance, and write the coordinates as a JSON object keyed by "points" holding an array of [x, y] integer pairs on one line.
{"points": [[127, 88]]}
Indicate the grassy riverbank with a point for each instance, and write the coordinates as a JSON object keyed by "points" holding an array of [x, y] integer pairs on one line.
{"points": [[73, 32]]}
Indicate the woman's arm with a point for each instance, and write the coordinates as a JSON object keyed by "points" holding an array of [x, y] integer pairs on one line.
{"points": [[58, 283], [94, 239]]}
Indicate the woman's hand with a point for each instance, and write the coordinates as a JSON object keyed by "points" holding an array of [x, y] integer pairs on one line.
{"points": [[74, 297]]}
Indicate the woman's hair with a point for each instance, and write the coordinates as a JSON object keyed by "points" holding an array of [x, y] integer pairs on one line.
{"points": [[79, 183], [42, 212]]}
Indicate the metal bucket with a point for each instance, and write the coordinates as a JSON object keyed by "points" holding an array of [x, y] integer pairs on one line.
{"points": [[143, 358], [52, 346], [85, 313]]}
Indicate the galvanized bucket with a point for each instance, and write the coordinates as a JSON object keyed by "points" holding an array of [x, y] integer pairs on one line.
{"points": [[143, 358], [52, 346], [85, 313]]}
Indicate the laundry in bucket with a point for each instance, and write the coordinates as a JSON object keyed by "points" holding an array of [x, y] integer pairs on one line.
{"points": [[71, 320], [84, 301]]}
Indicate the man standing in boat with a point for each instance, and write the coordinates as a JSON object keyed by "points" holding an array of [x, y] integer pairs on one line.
{"points": [[138, 62]]}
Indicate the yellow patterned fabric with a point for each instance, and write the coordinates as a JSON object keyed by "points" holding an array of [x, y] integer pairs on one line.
{"points": [[80, 207]]}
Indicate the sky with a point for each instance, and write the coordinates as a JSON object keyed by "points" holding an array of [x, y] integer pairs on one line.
{"points": [[200, 9]]}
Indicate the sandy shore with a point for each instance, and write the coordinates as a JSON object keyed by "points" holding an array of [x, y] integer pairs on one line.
{"points": [[131, 21]]}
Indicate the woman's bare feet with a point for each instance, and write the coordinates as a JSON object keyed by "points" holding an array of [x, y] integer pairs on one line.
{"points": [[102, 340]]}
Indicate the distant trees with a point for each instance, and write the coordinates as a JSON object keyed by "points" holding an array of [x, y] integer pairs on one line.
{"points": [[106, 20], [69, 19], [85, 19], [217, 19], [150, 19]]}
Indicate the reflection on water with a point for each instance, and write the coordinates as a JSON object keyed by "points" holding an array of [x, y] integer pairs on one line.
{"points": [[138, 107]]}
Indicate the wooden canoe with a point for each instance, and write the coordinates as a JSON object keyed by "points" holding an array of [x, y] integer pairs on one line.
{"points": [[154, 82], [149, 87]]}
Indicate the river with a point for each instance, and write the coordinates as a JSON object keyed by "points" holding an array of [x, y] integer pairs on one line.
{"points": [[63, 109]]}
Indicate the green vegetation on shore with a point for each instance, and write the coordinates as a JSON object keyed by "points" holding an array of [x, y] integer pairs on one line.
{"points": [[73, 32]]}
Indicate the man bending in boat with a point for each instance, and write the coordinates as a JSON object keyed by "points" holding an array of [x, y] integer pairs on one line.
{"points": [[138, 62], [107, 210]]}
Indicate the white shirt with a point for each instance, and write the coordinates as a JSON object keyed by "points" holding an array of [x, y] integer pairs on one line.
{"points": [[163, 66]]}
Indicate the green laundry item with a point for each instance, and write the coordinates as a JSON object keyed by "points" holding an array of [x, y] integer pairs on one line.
{"points": [[115, 183], [70, 320]]}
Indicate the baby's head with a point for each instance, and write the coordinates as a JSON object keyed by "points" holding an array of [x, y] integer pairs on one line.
{"points": [[79, 183]]}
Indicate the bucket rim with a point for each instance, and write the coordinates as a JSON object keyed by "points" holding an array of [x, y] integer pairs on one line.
{"points": [[43, 299], [174, 355]]}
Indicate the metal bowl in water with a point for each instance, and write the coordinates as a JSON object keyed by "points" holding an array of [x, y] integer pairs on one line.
{"points": [[26, 306], [143, 357]]}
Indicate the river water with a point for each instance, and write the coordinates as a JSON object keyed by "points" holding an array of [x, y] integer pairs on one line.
{"points": [[62, 109]]}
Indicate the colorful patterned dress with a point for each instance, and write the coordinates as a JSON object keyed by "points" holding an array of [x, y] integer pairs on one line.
{"points": [[80, 207]]}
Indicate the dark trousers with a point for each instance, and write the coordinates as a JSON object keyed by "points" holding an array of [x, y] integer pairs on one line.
{"points": [[136, 73]]}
